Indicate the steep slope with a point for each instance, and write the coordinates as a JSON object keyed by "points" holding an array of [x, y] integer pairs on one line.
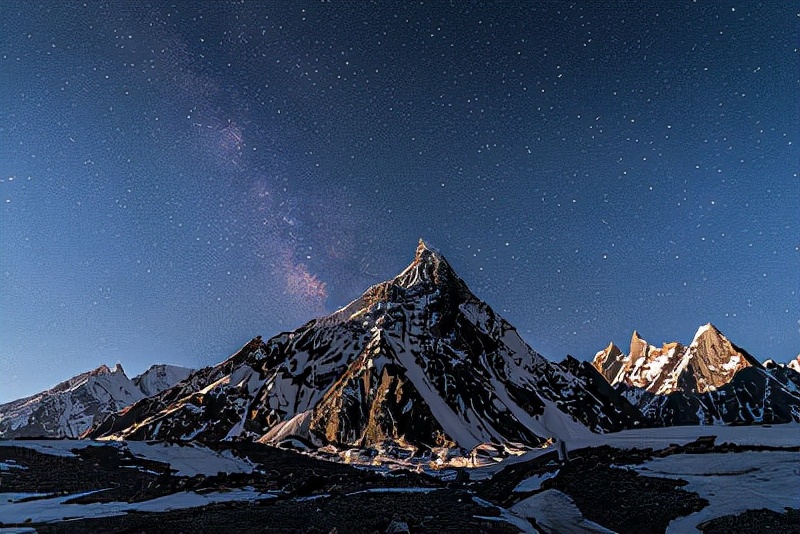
{"points": [[70, 408], [712, 381], [610, 362], [416, 362]]}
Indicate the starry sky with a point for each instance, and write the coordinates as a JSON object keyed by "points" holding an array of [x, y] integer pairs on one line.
{"points": [[176, 178]]}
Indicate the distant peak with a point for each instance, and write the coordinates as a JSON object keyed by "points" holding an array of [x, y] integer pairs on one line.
{"points": [[610, 353], [118, 368], [636, 337], [706, 329], [102, 370]]}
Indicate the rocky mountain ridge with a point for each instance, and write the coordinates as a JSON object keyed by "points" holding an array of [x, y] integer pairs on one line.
{"points": [[710, 381], [708, 362], [417, 363], [71, 407]]}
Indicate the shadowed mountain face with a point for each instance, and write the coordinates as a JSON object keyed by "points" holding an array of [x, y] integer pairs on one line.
{"points": [[710, 381], [417, 362]]}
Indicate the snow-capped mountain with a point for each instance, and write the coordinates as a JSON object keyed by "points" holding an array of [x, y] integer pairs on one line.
{"points": [[71, 407], [710, 381], [709, 362], [417, 362]]}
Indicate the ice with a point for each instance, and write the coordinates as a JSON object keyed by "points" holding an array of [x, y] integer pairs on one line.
{"points": [[785, 435], [56, 509], [534, 483], [62, 447], [191, 459], [555, 512], [731, 482]]}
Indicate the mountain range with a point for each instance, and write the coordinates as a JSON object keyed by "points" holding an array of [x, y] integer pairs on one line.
{"points": [[710, 381], [417, 365], [69, 409]]}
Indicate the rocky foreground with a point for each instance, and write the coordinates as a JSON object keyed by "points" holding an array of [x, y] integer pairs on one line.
{"points": [[57, 486]]}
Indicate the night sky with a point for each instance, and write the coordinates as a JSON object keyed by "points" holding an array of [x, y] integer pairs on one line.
{"points": [[176, 179]]}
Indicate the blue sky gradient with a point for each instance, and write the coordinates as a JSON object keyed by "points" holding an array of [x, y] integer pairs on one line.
{"points": [[176, 179]]}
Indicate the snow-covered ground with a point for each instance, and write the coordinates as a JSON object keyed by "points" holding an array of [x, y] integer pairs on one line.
{"points": [[191, 459], [786, 435], [56, 447], [555, 512], [534, 483], [732, 482], [186, 459], [57, 508]]}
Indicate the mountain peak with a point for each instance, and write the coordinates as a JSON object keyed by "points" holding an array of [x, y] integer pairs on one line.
{"points": [[427, 254], [708, 363], [101, 370], [429, 270], [707, 330], [639, 347], [417, 362], [610, 362], [421, 247]]}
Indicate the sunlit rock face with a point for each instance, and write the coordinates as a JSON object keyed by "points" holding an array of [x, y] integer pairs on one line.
{"points": [[416, 362], [709, 381], [710, 361]]}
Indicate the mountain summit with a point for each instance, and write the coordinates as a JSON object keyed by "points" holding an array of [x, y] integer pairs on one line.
{"points": [[417, 363]]}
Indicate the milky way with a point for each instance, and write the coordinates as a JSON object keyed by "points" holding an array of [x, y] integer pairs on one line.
{"points": [[176, 179]]}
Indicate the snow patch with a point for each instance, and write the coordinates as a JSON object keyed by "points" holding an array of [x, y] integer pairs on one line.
{"points": [[534, 483], [555, 512], [191, 459], [768, 479], [57, 509], [63, 447]]}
